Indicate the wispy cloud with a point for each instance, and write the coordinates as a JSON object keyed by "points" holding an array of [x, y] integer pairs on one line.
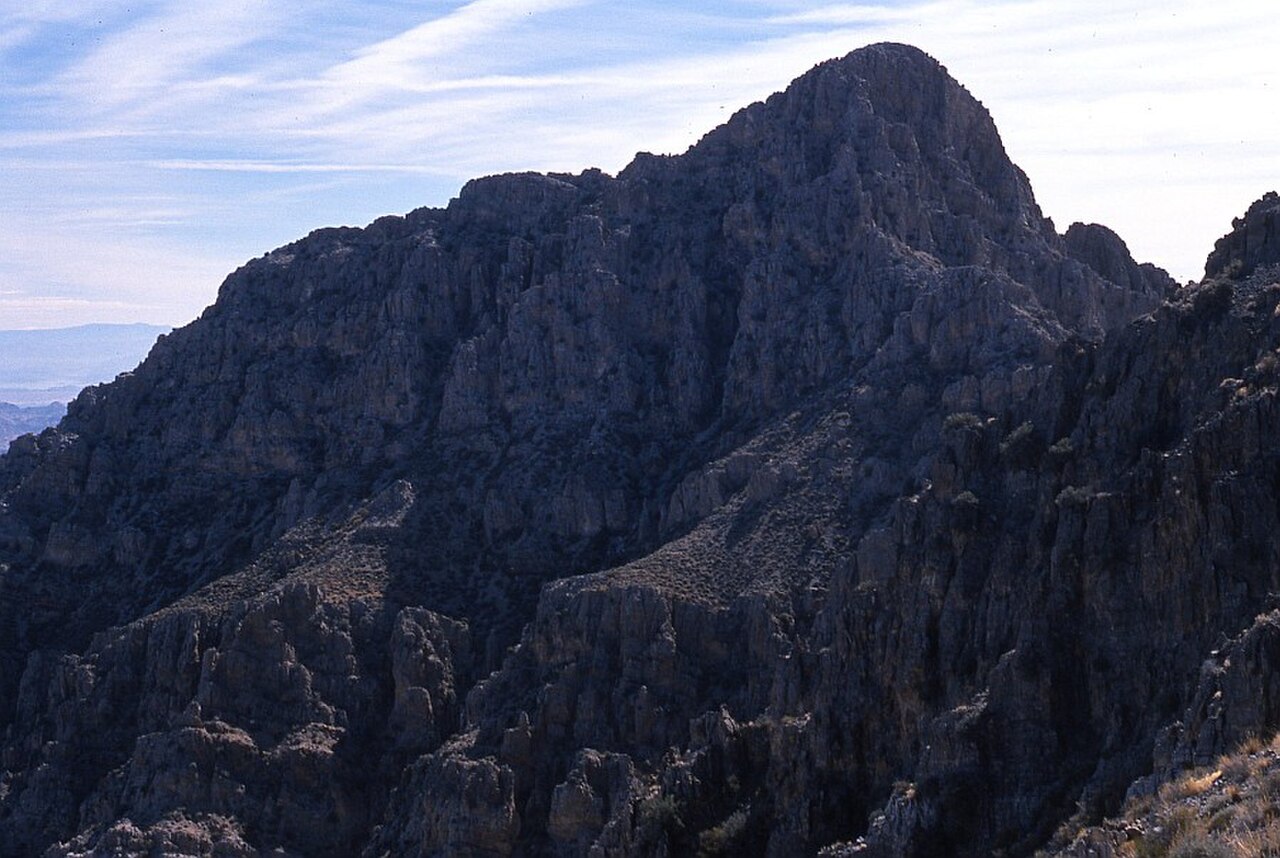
{"points": [[53, 11], [93, 265], [390, 62], [239, 166], [177, 44], [435, 56], [154, 149], [846, 14]]}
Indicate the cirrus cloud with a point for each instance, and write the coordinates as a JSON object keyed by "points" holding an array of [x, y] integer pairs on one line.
{"points": [[151, 151]]}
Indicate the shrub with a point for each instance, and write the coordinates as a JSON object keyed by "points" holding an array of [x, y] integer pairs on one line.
{"points": [[1190, 785], [722, 839], [1252, 744], [962, 420], [1213, 299], [1074, 496], [1201, 847], [661, 813], [1020, 447], [1221, 820], [1062, 448]]}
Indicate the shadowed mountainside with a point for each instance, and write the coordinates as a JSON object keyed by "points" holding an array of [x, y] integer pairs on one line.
{"points": [[803, 487]]}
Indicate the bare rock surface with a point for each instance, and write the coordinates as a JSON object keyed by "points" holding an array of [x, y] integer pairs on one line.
{"points": [[803, 491], [1253, 243]]}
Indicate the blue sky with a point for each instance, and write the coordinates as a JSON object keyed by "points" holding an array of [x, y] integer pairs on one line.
{"points": [[148, 148]]}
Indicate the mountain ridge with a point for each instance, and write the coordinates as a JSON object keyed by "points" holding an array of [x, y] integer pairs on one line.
{"points": [[40, 366], [795, 489]]}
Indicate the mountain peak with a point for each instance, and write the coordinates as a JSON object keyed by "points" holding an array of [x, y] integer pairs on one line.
{"points": [[1254, 241], [892, 115], [885, 58], [813, 404]]}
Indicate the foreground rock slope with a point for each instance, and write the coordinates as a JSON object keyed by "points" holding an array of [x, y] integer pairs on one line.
{"points": [[802, 488]]}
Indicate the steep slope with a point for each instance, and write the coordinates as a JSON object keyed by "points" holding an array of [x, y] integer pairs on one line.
{"points": [[844, 467], [996, 649]]}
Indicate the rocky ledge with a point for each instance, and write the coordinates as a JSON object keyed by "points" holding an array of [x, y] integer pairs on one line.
{"points": [[804, 491]]}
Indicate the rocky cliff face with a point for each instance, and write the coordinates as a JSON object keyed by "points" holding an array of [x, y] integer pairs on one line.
{"points": [[804, 487]]}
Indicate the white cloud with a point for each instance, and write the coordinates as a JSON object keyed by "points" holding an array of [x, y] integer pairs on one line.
{"points": [[56, 311], [244, 166], [411, 61], [218, 119], [139, 65], [390, 60], [88, 271], [54, 11], [846, 14]]}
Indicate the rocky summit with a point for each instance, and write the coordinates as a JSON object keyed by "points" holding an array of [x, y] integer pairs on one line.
{"points": [[803, 493]]}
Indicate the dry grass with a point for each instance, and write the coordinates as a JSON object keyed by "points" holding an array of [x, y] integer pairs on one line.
{"points": [[1192, 785], [1259, 841], [1237, 766], [1229, 810], [1253, 744]]}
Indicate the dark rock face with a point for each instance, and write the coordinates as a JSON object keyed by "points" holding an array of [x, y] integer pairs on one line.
{"points": [[1253, 243], [801, 488]]}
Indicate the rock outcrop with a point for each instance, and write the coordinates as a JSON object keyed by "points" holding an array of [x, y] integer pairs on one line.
{"points": [[803, 491], [1253, 243]]}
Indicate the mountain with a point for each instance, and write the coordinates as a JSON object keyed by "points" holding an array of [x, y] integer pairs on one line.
{"points": [[803, 491], [17, 420], [42, 366]]}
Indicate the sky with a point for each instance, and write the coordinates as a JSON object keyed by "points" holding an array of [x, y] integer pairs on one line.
{"points": [[148, 148]]}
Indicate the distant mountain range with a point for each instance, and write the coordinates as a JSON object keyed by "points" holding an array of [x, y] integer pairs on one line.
{"points": [[17, 420], [42, 370], [43, 366]]}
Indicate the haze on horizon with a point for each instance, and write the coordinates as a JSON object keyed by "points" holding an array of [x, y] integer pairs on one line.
{"points": [[151, 150]]}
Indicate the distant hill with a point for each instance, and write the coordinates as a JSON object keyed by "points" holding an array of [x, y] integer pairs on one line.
{"points": [[16, 420], [43, 366]]}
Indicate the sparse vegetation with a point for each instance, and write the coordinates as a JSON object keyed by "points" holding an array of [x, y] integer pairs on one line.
{"points": [[723, 838], [1075, 496], [1062, 448], [1200, 847], [1228, 810], [962, 420], [1189, 786], [1020, 448], [661, 813]]}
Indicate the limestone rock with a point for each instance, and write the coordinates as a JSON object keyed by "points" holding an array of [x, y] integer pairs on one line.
{"points": [[805, 490], [1254, 241]]}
